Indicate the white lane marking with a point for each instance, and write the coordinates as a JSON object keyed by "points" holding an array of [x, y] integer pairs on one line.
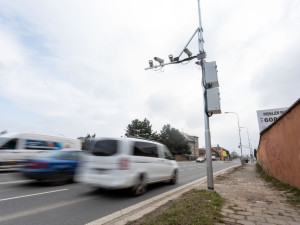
{"points": [[12, 182], [24, 196], [42, 209]]}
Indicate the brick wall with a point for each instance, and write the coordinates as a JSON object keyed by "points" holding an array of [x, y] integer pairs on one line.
{"points": [[279, 147]]}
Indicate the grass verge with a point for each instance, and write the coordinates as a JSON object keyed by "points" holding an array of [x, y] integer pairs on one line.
{"points": [[293, 192], [194, 207]]}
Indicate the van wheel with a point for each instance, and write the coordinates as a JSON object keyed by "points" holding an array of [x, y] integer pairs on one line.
{"points": [[140, 187], [173, 179]]}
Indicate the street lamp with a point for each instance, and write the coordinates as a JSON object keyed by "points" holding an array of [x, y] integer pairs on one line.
{"points": [[250, 147], [239, 131]]}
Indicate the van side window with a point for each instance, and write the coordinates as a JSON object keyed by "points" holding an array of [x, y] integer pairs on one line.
{"points": [[42, 145], [10, 144], [145, 149], [70, 156], [105, 148]]}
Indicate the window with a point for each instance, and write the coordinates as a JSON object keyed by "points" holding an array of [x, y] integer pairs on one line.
{"points": [[42, 145], [51, 154], [105, 148], [145, 149], [11, 144], [70, 156], [167, 153]]}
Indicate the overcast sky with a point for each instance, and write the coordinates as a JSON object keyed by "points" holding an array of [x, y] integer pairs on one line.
{"points": [[70, 67]]}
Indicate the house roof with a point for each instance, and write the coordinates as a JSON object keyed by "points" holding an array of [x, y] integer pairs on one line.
{"points": [[190, 138]]}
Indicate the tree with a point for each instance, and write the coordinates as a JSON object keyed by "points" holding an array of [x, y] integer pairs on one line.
{"points": [[155, 136], [142, 129], [85, 140], [90, 136], [174, 140], [169, 136], [234, 155]]}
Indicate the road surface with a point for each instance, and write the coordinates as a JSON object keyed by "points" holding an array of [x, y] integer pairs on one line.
{"points": [[27, 202]]}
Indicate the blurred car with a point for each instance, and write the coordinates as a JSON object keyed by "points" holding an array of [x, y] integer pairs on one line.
{"points": [[245, 159], [117, 163], [57, 166], [15, 148], [200, 160]]}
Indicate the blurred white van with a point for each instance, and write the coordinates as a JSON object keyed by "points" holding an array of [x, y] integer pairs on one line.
{"points": [[115, 163], [17, 147]]}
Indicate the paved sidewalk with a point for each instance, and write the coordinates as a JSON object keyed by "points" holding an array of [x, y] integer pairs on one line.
{"points": [[252, 201]]}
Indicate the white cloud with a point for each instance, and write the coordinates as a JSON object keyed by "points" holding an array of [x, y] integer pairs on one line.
{"points": [[79, 65]]}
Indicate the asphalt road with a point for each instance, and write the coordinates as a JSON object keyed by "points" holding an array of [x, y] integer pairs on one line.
{"points": [[26, 202]]}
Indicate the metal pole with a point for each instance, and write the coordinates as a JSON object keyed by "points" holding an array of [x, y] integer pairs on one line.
{"points": [[249, 142], [239, 132], [250, 146], [209, 171]]}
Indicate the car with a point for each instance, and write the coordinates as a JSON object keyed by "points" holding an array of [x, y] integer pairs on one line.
{"points": [[126, 163], [245, 159], [15, 148], [55, 166], [200, 160]]}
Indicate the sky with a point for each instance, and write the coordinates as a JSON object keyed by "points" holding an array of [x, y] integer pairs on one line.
{"points": [[71, 68]]}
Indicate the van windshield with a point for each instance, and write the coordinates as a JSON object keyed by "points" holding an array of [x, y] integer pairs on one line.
{"points": [[7, 143], [104, 148], [2, 139]]}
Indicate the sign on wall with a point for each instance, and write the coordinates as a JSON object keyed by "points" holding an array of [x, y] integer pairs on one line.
{"points": [[267, 117]]}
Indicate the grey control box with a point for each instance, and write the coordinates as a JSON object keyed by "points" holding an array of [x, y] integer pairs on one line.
{"points": [[213, 100], [211, 75]]}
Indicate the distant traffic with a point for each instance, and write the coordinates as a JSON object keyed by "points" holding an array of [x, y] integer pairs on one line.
{"points": [[110, 163]]}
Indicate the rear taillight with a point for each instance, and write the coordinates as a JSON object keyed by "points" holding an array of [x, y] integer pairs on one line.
{"points": [[38, 165], [124, 164]]}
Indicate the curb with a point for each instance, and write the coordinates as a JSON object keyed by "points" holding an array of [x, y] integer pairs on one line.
{"points": [[138, 210]]}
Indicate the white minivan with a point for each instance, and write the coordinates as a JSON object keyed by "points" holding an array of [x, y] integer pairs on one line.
{"points": [[17, 147], [117, 163]]}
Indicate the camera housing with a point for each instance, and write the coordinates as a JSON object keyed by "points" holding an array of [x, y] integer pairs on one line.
{"points": [[161, 61]]}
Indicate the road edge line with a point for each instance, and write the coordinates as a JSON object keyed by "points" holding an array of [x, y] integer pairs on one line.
{"points": [[144, 207]]}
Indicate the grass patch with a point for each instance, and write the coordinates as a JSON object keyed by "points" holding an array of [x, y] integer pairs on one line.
{"points": [[293, 192], [194, 207]]}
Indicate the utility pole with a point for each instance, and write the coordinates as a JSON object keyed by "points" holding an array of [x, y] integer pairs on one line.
{"points": [[241, 147], [250, 146], [210, 85], [209, 171]]}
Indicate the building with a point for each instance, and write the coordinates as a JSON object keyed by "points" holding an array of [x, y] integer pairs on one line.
{"points": [[193, 143], [223, 153], [202, 152], [219, 153]]}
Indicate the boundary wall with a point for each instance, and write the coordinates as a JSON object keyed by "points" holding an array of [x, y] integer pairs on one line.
{"points": [[279, 147]]}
